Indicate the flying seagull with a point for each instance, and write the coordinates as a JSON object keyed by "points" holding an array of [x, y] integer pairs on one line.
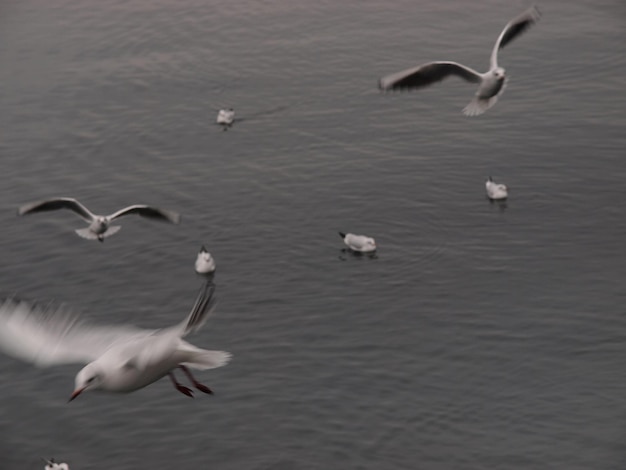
{"points": [[490, 83], [119, 358], [99, 225]]}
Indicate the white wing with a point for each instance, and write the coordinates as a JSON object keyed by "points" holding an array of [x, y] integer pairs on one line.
{"points": [[427, 74], [55, 204], [148, 212], [49, 336], [514, 28]]}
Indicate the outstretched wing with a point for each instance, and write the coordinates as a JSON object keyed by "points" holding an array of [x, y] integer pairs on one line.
{"points": [[47, 336], [514, 28], [148, 212], [202, 308], [427, 74], [55, 204]]}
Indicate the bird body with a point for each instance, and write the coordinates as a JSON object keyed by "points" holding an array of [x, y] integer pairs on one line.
{"points": [[226, 116], [359, 243], [99, 225], [490, 84], [52, 465], [118, 359], [496, 191], [205, 264]]}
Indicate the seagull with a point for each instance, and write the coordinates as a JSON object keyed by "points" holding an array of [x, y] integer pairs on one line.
{"points": [[205, 264], [496, 191], [225, 117], [52, 465], [490, 83], [358, 243], [119, 359], [99, 225]]}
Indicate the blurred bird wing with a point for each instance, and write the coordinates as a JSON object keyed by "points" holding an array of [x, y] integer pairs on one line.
{"points": [[50, 336], [513, 29], [427, 74], [55, 204], [148, 212], [200, 312]]}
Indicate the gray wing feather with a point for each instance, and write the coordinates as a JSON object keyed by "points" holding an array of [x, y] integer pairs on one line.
{"points": [[513, 29], [427, 74], [202, 308], [55, 204], [148, 212]]}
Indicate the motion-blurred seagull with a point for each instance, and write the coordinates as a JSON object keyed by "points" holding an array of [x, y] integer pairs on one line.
{"points": [[99, 225], [359, 243], [205, 264], [119, 358], [496, 191], [490, 83], [52, 465]]}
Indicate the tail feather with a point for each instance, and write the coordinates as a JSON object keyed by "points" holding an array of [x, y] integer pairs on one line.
{"points": [[202, 359], [86, 233], [112, 230], [479, 105], [89, 235]]}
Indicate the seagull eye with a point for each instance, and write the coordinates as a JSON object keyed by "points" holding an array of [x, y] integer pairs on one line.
{"points": [[91, 379]]}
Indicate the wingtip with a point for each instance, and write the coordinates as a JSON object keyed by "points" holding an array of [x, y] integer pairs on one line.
{"points": [[342, 235], [175, 218]]}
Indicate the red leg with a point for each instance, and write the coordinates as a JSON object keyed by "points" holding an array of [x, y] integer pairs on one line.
{"points": [[180, 387], [198, 385]]}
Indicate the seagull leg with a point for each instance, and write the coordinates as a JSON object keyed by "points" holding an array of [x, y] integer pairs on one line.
{"points": [[180, 387], [198, 385]]}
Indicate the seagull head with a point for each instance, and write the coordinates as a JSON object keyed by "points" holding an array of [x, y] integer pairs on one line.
{"points": [[499, 73], [88, 378]]}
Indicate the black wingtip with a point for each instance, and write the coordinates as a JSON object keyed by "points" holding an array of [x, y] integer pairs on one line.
{"points": [[342, 235]]}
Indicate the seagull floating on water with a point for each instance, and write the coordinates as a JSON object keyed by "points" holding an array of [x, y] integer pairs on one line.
{"points": [[490, 83], [225, 117], [205, 264], [99, 225], [359, 243], [119, 358], [52, 465], [496, 191]]}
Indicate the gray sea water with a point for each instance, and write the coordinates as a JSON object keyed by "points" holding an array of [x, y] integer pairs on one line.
{"points": [[481, 336]]}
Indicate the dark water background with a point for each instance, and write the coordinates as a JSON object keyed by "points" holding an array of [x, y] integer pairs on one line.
{"points": [[480, 337]]}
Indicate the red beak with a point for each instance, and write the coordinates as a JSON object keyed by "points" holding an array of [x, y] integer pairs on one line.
{"points": [[75, 394]]}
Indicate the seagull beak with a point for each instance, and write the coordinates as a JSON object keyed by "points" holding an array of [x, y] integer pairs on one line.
{"points": [[75, 394]]}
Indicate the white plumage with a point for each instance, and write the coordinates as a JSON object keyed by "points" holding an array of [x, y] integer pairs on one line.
{"points": [[226, 117], [205, 264], [359, 243], [52, 465], [496, 191]]}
